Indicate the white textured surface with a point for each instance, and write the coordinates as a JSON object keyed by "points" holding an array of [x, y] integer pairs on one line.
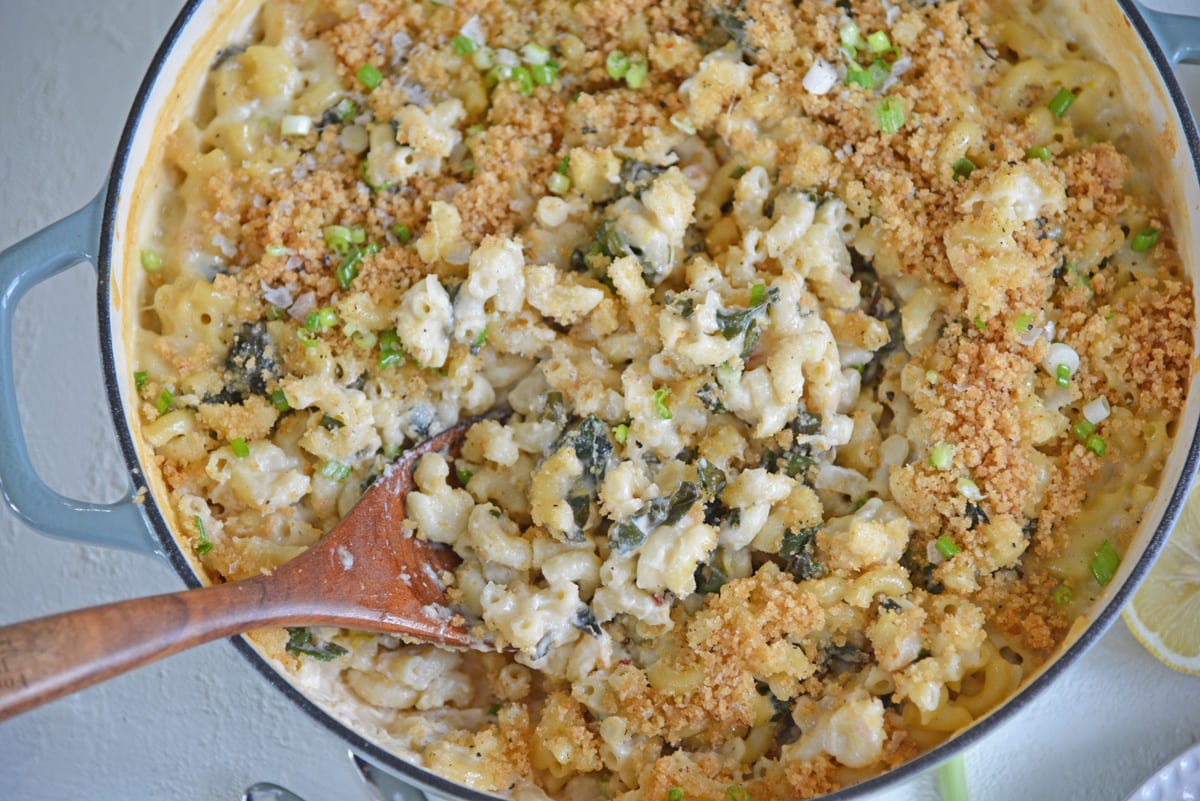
{"points": [[203, 725]]}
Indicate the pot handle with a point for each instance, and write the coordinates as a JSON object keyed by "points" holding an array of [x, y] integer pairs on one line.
{"points": [[1178, 34], [122, 525]]}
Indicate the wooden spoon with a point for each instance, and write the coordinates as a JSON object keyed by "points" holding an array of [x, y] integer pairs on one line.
{"points": [[364, 574]]}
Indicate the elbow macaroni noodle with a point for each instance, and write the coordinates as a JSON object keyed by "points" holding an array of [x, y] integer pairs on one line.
{"points": [[786, 496]]}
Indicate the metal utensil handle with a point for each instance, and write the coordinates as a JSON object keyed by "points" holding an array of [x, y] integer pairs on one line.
{"points": [[50, 251]]}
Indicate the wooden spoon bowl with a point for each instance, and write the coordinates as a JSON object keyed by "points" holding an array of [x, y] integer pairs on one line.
{"points": [[364, 574]]}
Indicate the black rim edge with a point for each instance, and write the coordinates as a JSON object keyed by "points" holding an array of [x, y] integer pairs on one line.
{"points": [[431, 781]]}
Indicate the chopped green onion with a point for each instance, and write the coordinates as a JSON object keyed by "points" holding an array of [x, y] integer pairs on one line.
{"points": [[277, 250], [370, 76], [1061, 101], [638, 71], [1040, 152], [890, 114], [308, 338], [239, 447], [402, 232], [758, 293], [1082, 430], [675, 794], [523, 79], [347, 270], [391, 352], [1143, 240], [203, 545], [564, 165], [737, 793], [857, 76], [1063, 594], [462, 45], [942, 456], [280, 401], [660, 403], [963, 169], [494, 709], [463, 475], [945, 546], [338, 238], [163, 402], [1105, 562], [878, 42], [295, 125], [345, 109], [335, 470], [621, 433], [534, 54], [683, 124], [1024, 322], [151, 261], [544, 74], [617, 64], [139, 379], [850, 35], [480, 339], [482, 58], [364, 339], [969, 489], [1062, 375], [358, 234], [1096, 444], [498, 74], [320, 320], [558, 183], [931, 377], [979, 323]]}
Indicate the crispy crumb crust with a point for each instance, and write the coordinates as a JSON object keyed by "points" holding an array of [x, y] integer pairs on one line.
{"points": [[1131, 329]]}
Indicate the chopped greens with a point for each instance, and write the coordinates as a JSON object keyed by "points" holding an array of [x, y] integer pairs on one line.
{"points": [[302, 641], [733, 324]]}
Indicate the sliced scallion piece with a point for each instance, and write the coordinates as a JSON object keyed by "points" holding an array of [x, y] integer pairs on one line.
{"points": [[391, 352], [941, 456], [151, 261], [639, 70], [660, 402], [1063, 594], [203, 545], [945, 546], [963, 169], [369, 76], [462, 45], [139, 379], [335, 470], [280, 401], [1040, 152], [890, 115], [164, 401], [621, 433], [616, 64], [1096, 444], [1104, 564], [1143, 240], [239, 447], [1061, 101]]}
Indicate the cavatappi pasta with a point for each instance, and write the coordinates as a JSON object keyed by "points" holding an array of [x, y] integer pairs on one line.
{"points": [[842, 342]]}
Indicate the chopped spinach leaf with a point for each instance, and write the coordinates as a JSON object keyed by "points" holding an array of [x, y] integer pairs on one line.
{"points": [[798, 550], [710, 396], [302, 641], [585, 620], [733, 324]]}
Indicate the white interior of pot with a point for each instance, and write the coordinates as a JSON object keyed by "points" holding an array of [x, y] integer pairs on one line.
{"points": [[214, 23]]}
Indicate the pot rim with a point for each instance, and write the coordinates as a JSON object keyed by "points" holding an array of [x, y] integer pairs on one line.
{"points": [[426, 779]]}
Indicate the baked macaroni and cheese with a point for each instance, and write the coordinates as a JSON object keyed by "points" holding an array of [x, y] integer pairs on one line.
{"points": [[842, 343]]}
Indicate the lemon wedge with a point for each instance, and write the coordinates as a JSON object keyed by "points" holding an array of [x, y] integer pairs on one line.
{"points": [[1164, 614]]}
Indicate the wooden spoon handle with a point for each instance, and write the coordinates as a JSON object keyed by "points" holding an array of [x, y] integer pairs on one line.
{"points": [[43, 659]]}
